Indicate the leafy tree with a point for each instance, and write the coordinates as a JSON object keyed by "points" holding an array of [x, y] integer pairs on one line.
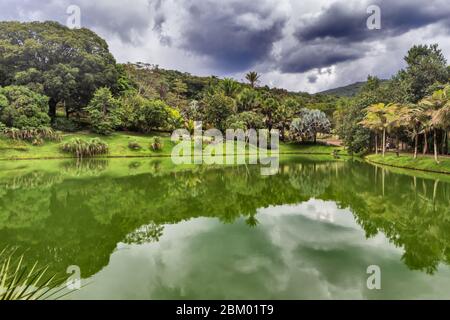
{"points": [[23, 108], [245, 120], [217, 108], [356, 138], [130, 104], [66, 65], [156, 115], [253, 77], [426, 66], [269, 108], [104, 112]]}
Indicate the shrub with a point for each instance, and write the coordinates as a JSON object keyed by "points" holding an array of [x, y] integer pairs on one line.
{"points": [[32, 134], [134, 145], [157, 144], [82, 148]]}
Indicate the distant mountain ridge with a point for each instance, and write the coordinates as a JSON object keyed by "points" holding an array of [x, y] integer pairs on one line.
{"points": [[346, 91]]}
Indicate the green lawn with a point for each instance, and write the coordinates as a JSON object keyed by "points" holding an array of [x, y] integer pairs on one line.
{"points": [[118, 147], [425, 163]]}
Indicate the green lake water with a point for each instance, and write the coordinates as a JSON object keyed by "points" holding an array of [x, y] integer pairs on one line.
{"points": [[146, 229]]}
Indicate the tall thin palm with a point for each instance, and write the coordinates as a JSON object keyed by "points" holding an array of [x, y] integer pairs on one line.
{"points": [[412, 116], [437, 108], [253, 77], [381, 115]]}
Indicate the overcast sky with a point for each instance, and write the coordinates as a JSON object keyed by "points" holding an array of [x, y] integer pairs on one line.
{"points": [[300, 45]]}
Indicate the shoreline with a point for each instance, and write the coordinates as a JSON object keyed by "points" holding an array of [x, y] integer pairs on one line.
{"points": [[155, 156], [407, 167]]}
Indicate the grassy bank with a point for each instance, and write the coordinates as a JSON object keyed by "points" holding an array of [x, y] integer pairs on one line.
{"points": [[118, 147], [424, 163]]}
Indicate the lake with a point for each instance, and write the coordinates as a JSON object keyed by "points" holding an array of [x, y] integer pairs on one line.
{"points": [[146, 229]]}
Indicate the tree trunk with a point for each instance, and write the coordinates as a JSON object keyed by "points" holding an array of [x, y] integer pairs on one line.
{"points": [[425, 143], [435, 146], [416, 144], [444, 142], [376, 143], [384, 141], [397, 145]]}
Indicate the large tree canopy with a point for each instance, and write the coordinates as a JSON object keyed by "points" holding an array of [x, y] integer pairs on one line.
{"points": [[66, 65]]}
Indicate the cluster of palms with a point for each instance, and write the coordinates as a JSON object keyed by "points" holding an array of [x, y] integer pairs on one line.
{"points": [[430, 116], [229, 104]]}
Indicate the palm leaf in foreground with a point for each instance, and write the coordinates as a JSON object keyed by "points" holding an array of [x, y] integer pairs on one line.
{"points": [[18, 282]]}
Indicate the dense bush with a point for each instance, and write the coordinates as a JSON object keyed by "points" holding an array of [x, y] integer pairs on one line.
{"points": [[23, 108], [85, 148], [104, 112]]}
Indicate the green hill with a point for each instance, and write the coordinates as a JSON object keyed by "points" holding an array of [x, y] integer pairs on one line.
{"points": [[345, 91]]}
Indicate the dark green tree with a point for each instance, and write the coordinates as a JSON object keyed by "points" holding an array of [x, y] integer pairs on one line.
{"points": [[104, 112], [426, 66], [66, 65]]}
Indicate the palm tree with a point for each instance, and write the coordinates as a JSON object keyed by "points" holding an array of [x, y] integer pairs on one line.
{"points": [[381, 115], [253, 78], [437, 108], [441, 117], [373, 123], [412, 116], [230, 87]]}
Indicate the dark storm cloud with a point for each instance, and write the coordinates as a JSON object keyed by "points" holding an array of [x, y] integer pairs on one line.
{"points": [[230, 37], [337, 34], [231, 44], [347, 21], [319, 55]]}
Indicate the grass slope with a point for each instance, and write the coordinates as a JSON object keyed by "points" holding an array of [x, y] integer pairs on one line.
{"points": [[424, 163], [118, 147]]}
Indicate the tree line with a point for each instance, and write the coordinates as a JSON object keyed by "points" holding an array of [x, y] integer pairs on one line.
{"points": [[55, 78]]}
